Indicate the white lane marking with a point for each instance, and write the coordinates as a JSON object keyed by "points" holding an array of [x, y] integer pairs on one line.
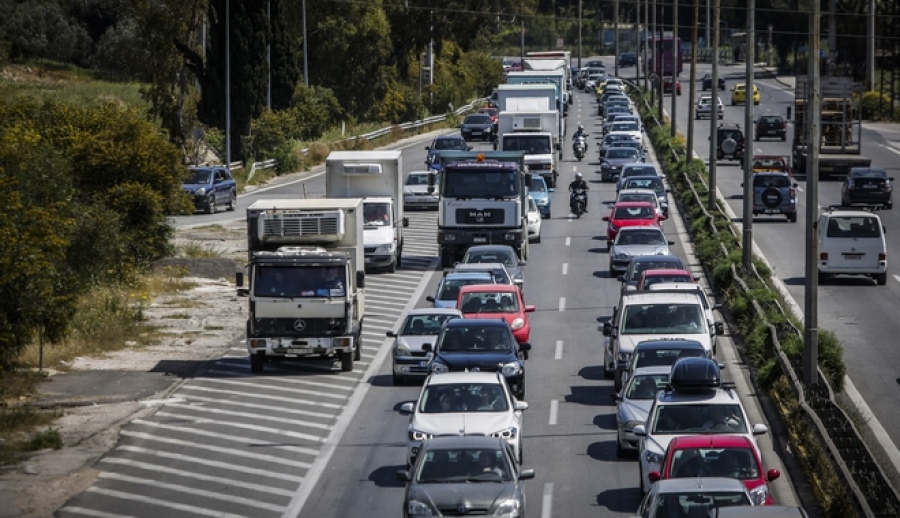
{"points": [[562, 303], [897, 277], [565, 270], [890, 148], [161, 502], [559, 348], [568, 241], [547, 501], [554, 411]]}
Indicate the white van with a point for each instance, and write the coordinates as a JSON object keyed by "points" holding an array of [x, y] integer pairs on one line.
{"points": [[851, 242]]}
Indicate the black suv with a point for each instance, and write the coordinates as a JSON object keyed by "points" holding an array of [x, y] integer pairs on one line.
{"points": [[774, 193], [869, 185], [730, 141], [628, 59], [485, 344], [770, 126]]}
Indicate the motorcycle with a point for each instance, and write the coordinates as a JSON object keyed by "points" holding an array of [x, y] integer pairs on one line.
{"points": [[579, 147], [577, 202]]}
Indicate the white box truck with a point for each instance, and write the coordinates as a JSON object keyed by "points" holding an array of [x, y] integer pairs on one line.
{"points": [[505, 92], [377, 178], [536, 133], [306, 280]]}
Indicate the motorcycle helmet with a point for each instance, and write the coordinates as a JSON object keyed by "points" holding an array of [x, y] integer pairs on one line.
{"points": [[580, 127], [578, 176]]}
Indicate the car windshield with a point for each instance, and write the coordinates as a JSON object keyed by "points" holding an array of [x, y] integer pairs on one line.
{"points": [[476, 339], [656, 318], [625, 126], [737, 463], [200, 176], [640, 237], [699, 504], [643, 212], [868, 173], [417, 179], [423, 325], [464, 183], [683, 419], [446, 143], [463, 465], [531, 145], [298, 281], [853, 227], [449, 289], [537, 186], [645, 386], [654, 184], [658, 357], [622, 153], [377, 214], [462, 397], [507, 258], [477, 119], [489, 302]]}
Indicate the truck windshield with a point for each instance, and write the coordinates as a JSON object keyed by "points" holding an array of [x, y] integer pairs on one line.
{"points": [[299, 281], [533, 145], [462, 183], [377, 214]]}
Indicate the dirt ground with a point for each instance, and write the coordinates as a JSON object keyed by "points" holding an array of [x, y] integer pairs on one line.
{"points": [[196, 326]]}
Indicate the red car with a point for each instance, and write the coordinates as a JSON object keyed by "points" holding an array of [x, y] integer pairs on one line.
{"points": [[628, 214], [651, 277], [501, 300], [667, 85], [731, 456], [493, 113]]}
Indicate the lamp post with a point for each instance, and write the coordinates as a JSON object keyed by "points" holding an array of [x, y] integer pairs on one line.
{"points": [[749, 52], [810, 303], [714, 110], [676, 51], [228, 84], [305, 46]]}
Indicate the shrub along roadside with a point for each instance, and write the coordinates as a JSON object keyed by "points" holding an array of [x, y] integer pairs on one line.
{"points": [[720, 254]]}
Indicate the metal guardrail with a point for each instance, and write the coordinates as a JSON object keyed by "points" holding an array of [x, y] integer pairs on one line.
{"points": [[265, 164]]}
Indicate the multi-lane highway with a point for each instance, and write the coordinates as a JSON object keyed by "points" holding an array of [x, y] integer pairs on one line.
{"points": [[304, 441]]}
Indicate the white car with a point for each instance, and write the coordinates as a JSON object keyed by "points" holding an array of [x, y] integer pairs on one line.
{"points": [[716, 328], [635, 129], [633, 404], [851, 242], [415, 191], [464, 403], [696, 403], [534, 221], [421, 326], [704, 107]]}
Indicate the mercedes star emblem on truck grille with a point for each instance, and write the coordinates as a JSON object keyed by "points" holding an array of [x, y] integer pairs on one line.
{"points": [[299, 324]]}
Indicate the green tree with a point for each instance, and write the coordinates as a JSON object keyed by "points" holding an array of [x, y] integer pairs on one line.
{"points": [[286, 65]]}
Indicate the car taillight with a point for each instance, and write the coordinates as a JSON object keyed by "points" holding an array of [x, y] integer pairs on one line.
{"points": [[791, 192], [823, 256], [783, 125], [882, 256]]}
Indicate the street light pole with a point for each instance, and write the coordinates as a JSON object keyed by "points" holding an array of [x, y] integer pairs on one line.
{"points": [[693, 82], [579, 35], [228, 84], [269, 57], [811, 303], [714, 110], [676, 51], [305, 46], [749, 52], [616, 36]]}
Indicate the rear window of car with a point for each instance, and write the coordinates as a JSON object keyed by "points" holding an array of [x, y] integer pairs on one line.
{"points": [[853, 227], [477, 119], [622, 153], [776, 181], [735, 135], [633, 212], [770, 119], [868, 173]]}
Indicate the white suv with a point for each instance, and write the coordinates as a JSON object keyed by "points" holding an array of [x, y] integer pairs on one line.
{"points": [[696, 402]]}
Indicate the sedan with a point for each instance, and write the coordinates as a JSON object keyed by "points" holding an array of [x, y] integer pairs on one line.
{"points": [[629, 170], [667, 85], [462, 475], [647, 195], [534, 221], [418, 194], [634, 242], [421, 326], [739, 94], [614, 159], [869, 185], [704, 107], [633, 403], [497, 300], [706, 82], [210, 187], [630, 214], [497, 254], [692, 497], [464, 403], [477, 127]]}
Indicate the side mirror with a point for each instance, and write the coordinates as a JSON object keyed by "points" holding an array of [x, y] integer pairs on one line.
{"points": [[520, 406], [720, 327], [469, 148], [772, 474], [670, 242], [526, 474], [605, 218], [405, 222], [390, 334], [243, 292], [640, 430], [620, 278], [407, 408], [361, 279], [616, 396], [525, 346], [429, 298], [653, 476], [607, 329], [519, 282], [529, 308], [402, 475], [428, 148], [760, 429]]}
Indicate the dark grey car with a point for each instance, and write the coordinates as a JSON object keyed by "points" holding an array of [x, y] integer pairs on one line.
{"points": [[465, 475], [614, 159], [497, 254], [477, 127]]}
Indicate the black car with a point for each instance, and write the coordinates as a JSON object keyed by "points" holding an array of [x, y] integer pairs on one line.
{"points": [[485, 344], [730, 141], [868, 185], [663, 352], [639, 264], [628, 59], [770, 126], [211, 187], [706, 82], [477, 127], [456, 475]]}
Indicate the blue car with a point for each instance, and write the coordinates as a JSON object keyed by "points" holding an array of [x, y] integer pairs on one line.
{"points": [[443, 143], [541, 194], [210, 188]]}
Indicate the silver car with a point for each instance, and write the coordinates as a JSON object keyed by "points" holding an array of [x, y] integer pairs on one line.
{"points": [[634, 402], [421, 326], [634, 242], [416, 193]]}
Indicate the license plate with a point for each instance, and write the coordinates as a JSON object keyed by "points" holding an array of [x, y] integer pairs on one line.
{"points": [[479, 240], [770, 211], [476, 133], [853, 257], [291, 355], [870, 186]]}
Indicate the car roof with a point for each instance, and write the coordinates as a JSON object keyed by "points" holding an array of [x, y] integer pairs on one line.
{"points": [[674, 259], [683, 286], [434, 311], [477, 267], [691, 484], [637, 190], [661, 272], [463, 441], [712, 441], [729, 126], [476, 322], [502, 288], [661, 296], [650, 370], [449, 378], [641, 228], [469, 275], [490, 248], [668, 343], [449, 137], [849, 214]]}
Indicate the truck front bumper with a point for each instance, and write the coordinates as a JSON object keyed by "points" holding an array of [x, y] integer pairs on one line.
{"points": [[377, 261], [514, 237], [291, 347]]}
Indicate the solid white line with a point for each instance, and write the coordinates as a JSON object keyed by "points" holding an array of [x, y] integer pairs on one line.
{"points": [[547, 501], [568, 241], [897, 277], [554, 411], [562, 303], [565, 268], [559, 349]]}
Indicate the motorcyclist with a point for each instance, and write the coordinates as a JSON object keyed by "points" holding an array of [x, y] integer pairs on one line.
{"points": [[579, 183], [582, 134]]}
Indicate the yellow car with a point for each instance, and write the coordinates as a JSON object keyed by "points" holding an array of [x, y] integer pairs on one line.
{"points": [[739, 94]]}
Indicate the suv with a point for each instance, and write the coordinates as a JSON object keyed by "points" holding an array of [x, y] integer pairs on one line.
{"points": [[774, 193], [851, 242], [696, 402], [628, 59], [730, 142], [770, 126], [869, 185], [210, 187]]}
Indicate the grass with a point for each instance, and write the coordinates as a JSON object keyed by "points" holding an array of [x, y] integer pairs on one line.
{"points": [[65, 83], [196, 249]]}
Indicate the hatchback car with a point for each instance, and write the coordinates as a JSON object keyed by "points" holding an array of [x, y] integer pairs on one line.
{"points": [[210, 188], [484, 344], [851, 242], [681, 497], [497, 254], [444, 143], [729, 456], [634, 242], [448, 288], [496, 301], [770, 126], [654, 183], [868, 185], [421, 326], [630, 214], [464, 475], [541, 194], [647, 195], [477, 127], [706, 82], [739, 94], [534, 221], [418, 194], [633, 403], [464, 403], [704, 107], [613, 160], [667, 85], [774, 193]]}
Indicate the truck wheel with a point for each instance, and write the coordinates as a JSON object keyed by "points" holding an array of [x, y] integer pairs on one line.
{"points": [[232, 202], [257, 363], [347, 361], [211, 204]]}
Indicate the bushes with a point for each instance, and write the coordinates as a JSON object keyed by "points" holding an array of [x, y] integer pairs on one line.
{"points": [[875, 106]]}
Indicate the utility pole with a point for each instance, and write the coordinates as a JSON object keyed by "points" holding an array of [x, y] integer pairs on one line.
{"points": [[637, 50], [661, 52], [269, 57], [747, 242], [228, 84], [676, 53], [811, 302], [305, 46], [579, 35], [714, 111], [832, 31], [870, 45], [616, 36], [646, 42], [654, 60], [693, 88]]}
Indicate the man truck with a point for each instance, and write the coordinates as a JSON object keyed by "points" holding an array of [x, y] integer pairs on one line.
{"points": [[377, 178], [305, 280]]}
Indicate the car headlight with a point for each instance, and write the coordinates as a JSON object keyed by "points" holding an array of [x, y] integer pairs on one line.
{"points": [[517, 324], [200, 192], [543, 201], [418, 508], [623, 357], [620, 255], [401, 350], [439, 368], [384, 249], [416, 435], [759, 494], [511, 507], [653, 458], [506, 433], [511, 369]]}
